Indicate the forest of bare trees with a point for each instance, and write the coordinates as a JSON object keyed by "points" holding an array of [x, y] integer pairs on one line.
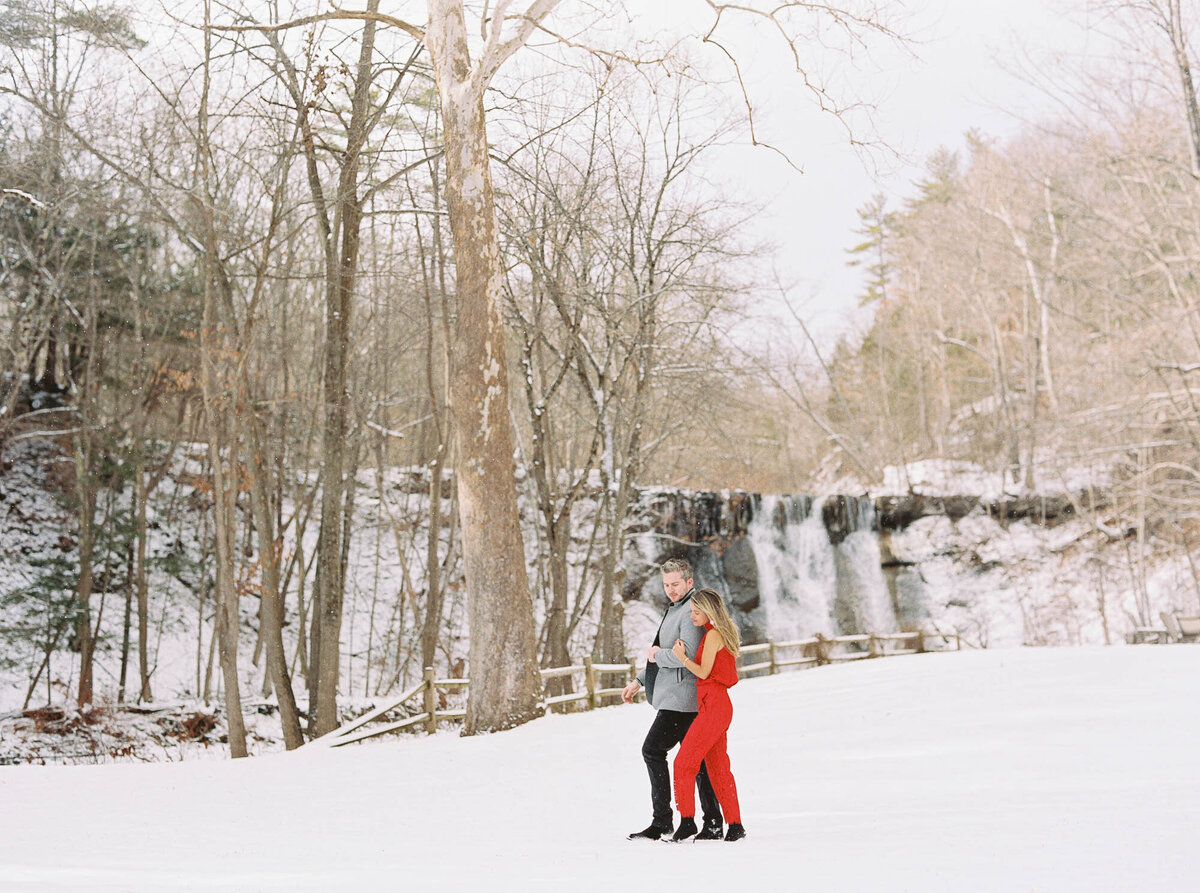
{"points": [[1036, 301], [312, 247]]}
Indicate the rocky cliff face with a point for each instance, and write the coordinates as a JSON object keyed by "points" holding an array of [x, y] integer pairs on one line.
{"points": [[792, 566], [898, 512], [777, 560]]}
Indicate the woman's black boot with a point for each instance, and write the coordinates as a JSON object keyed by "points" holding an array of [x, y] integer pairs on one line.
{"points": [[687, 828]]}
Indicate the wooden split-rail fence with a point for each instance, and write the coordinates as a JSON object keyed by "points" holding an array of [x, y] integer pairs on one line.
{"points": [[771, 658]]}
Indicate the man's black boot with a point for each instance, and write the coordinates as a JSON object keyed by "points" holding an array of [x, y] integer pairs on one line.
{"points": [[711, 831], [654, 832], [735, 832], [687, 828]]}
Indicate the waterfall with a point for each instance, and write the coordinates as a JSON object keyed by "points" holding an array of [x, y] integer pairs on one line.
{"points": [[819, 567], [864, 601], [796, 577], [789, 566]]}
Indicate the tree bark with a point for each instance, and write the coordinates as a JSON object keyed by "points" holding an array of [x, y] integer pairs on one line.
{"points": [[143, 606], [271, 605], [431, 623], [84, 584], [341, 267], [218, 403], [1175, 30], [505, 684], [126, 624], [228, 626], [86, 487]]}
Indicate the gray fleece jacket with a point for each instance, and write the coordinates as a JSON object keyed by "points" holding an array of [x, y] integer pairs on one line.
{"points": [[674, 686]]}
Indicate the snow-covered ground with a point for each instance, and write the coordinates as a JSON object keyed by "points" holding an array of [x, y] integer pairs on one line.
{"points": [[1007, 769]]}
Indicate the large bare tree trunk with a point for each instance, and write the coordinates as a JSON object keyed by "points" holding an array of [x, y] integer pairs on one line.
{"points": [[557, 630], [609, 646], [218, 403], [505, 684], [145, 695], [271, 611], [84, 584], [224, 469], [1177, 33], [86, 486], [431, 624], [330, 590], [340, 217], [434, 276], [610, 636]]}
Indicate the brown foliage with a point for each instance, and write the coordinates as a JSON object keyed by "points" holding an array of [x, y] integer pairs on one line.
{"points": [[57, 721], [196, 726]]}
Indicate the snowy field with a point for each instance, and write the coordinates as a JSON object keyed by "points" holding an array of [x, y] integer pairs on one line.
{"points": [[1005, 770]]}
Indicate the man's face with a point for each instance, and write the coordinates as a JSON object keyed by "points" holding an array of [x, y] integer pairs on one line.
{"points": [[676, 586]]}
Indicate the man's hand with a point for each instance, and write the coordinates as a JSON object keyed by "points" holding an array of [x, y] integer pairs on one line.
{"points": [[629, 692], [650, 654]]}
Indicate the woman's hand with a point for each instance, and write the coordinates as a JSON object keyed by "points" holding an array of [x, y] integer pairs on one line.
{"points": [[680, 649]]}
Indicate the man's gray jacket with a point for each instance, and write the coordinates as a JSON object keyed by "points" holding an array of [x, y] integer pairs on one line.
{"points": [[674, 686]]}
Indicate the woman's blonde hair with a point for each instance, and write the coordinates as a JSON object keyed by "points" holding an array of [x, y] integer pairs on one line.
{"points": [[709, 601]]}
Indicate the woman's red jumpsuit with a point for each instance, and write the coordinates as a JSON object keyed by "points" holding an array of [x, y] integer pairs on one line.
{"points": [[705, 739]]}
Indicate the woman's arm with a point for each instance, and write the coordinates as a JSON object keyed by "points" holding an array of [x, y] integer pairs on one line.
{"points": [[690, 635], [712, 644]]}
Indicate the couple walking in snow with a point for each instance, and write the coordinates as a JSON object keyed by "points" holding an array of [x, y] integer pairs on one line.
{"points": [[688, 682]]}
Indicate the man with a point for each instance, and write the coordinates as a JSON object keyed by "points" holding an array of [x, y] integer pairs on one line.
{"points": [[671, 691]]}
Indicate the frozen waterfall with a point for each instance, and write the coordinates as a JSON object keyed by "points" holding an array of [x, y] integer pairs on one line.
{"points": [[819, 567]]}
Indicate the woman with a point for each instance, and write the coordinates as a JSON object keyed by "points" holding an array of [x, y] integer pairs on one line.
{"points": [[715, 670]]}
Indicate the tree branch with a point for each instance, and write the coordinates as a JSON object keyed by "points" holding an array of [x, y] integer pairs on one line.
{"points": [[335, 15], [497, 50]]}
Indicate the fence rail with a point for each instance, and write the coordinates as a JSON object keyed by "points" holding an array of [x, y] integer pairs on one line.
{"points": [[814, 652], [820, 650]]}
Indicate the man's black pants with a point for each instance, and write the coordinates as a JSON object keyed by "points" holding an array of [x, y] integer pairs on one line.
{"points": [[666, 732]]}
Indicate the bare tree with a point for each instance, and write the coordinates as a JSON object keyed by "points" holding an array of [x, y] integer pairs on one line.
{"points": [[232, 237], [505, 689], [505, 686]]}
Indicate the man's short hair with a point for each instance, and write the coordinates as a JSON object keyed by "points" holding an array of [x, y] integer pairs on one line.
{"points": [[677, 566]]}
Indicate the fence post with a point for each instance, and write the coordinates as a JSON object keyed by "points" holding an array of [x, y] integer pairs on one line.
{"points": [[632, 670], [822, 650], [958, 640], [873, 646], [771, 652], [920, 641], [430, 702], [589, 673]]}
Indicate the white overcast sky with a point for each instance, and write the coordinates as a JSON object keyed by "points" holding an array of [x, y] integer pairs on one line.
{"points": [[959, 73]]}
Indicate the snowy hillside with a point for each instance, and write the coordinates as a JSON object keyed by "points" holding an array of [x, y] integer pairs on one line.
{"points": [[998, 583], [1000, 770]]}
